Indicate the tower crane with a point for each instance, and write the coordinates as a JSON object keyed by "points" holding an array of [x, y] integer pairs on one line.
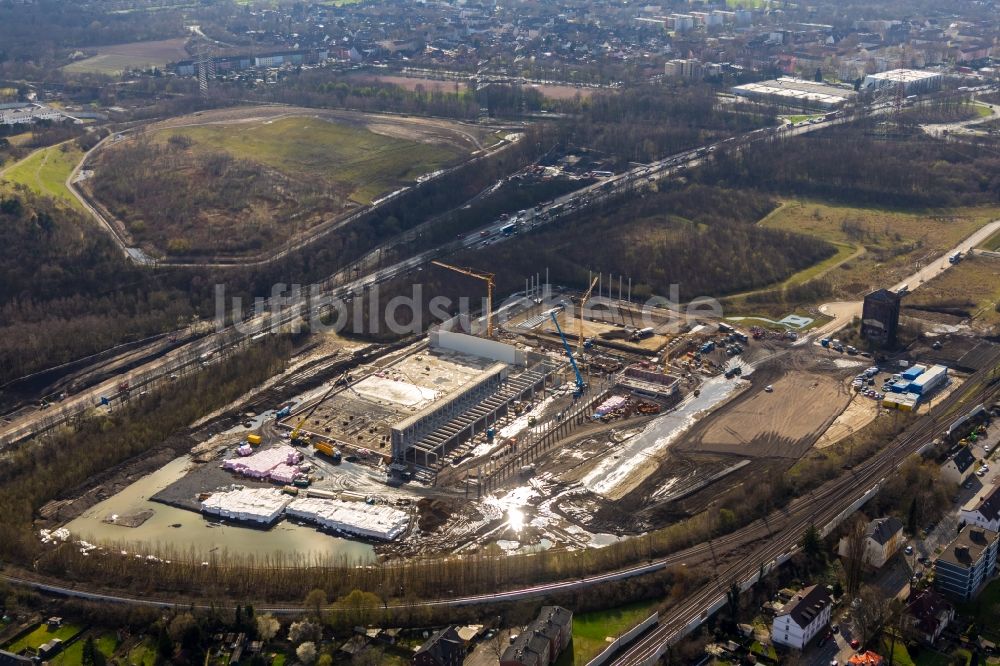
{"points": [[583, 302], [488, 278], [580, 384]]}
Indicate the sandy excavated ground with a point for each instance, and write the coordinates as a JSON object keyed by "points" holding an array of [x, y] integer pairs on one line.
{"points": [[783, 423]]}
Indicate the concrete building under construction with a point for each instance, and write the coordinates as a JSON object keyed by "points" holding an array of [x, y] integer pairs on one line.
{"points": [[880, 317], [432, 432]]}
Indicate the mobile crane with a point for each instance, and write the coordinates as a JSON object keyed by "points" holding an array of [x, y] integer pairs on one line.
{"points": [[488, 278], [581, 385], [296, 435]]}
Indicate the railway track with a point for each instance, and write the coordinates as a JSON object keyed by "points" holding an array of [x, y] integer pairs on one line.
{"points": [[824, 507], [767, 541]]}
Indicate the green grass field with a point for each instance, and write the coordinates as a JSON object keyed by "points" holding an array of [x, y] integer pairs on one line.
{"points": [[992, 243], [983, 110], [591, 629], [114, 59], [799, 119], [73, 655], [45, 171], [892, 240], [42, 635], [370, 164], [143, 654]]}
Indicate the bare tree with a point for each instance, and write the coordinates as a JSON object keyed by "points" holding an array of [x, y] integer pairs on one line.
{"points": [[498, 643], [870, 615], [854, 559]]}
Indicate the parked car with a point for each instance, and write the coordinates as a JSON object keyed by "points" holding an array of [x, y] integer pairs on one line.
{"points": [[855, 643]]}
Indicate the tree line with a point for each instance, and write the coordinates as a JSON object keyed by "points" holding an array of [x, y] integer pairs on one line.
{"points": [[701, 238], [859, 165]]}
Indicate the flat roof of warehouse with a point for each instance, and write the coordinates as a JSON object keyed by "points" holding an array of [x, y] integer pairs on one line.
{"points": [[787, 86], [904, 75]]}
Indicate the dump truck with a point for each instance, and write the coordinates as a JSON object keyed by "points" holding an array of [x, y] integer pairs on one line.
{"points": [[329, 450]]}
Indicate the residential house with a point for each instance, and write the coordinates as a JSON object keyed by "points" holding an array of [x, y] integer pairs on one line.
{"points": [[802, 617], [985, 512], [868, 658], [11, 659], [445, 648], [927, 615], [967, 563], [958, 467], [543, 640], [883, 538]]}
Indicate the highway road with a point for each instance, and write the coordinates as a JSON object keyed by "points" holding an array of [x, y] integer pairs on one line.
{"points": [[350, 281], [345, 283]]}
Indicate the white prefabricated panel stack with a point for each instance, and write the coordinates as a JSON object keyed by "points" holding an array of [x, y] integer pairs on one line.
{"points": [[366, 520], [258, 505]]}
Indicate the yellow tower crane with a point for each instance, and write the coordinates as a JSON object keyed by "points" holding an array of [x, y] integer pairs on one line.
{"points": [[583, 303], [489, 278]]}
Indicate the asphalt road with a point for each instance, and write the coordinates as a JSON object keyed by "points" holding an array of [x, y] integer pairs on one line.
{"points": [[186, 357], [844, 311]]}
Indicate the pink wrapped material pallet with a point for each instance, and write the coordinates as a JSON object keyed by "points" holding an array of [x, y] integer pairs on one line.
{"points": [[260, 464]]}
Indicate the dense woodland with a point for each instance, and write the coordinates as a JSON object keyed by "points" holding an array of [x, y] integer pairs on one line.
{"points": [[701, 238], [68, 292], [37, 32], [863, 166], [65, 290], [647, 123]]}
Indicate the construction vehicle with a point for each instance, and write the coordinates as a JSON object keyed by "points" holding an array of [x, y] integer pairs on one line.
{"points": [[296, 436], [253, 440], [329, 450], [488, 278], [642, 334], [581, 385]]}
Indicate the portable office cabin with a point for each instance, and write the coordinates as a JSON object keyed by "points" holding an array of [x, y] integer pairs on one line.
{"points": [[929, 381]]}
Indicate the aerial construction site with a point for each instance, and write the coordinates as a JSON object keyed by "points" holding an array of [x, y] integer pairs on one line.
{"points": [[563, 420]]}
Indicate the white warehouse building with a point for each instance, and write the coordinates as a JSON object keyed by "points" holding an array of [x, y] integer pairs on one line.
{"points": [[913, 80]]}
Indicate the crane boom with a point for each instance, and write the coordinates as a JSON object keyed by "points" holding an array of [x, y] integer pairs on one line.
{"points": [[296, 433], [580, 384], [583, 303], [488, 278]]}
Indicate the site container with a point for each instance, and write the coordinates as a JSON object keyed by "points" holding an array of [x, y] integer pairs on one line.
{"points": [[934, 378], [253, 440]]}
